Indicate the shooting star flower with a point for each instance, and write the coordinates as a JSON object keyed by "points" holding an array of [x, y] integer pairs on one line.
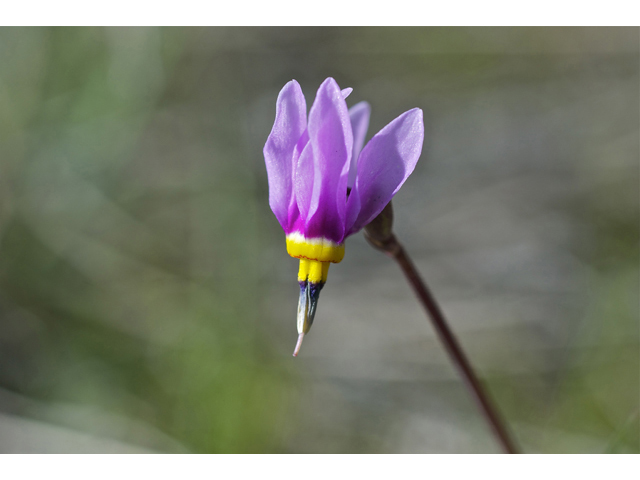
{"points": [[323, 186]]}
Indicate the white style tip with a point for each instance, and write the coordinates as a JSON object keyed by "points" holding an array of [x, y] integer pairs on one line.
{"points": [[298, 345]]}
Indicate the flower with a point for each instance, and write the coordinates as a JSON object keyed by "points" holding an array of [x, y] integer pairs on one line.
{"points": [[324, 186]]}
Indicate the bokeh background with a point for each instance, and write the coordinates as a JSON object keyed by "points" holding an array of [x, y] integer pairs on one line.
{"points": [[147, 302]]}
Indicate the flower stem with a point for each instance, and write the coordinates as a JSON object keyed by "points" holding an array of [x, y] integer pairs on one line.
{"points": [[394, 249]]}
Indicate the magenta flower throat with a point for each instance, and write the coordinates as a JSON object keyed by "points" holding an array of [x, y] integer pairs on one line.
{"points": [[324, 186]]}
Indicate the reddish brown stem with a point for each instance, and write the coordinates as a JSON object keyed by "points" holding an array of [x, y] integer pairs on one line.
{"points": [[394, 249]]}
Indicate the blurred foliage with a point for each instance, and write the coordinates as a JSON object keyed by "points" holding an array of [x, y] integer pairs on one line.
{"points": [[138, 254], [115, 292]]}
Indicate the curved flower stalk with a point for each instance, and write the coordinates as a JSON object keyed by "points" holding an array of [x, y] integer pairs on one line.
{"points": [[324, 186]]}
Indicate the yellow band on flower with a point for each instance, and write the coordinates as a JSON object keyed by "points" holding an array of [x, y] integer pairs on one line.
{"points": [[319, 249]]}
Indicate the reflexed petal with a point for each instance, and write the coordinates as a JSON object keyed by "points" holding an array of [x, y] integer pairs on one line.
{"points": [[321, 174], [384, 164], [289, 125], [359, 115], [346, 92]]}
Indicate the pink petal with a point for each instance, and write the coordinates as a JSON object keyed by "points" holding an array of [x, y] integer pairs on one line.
{"points": [[321, 175], [359, 115], [384, 165], [289, 125]]}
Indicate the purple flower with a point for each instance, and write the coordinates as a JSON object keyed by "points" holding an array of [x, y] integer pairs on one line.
{"points": [[323, 186]]}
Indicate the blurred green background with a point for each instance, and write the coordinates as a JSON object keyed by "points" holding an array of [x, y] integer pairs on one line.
{"points": [[147, 302]]}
